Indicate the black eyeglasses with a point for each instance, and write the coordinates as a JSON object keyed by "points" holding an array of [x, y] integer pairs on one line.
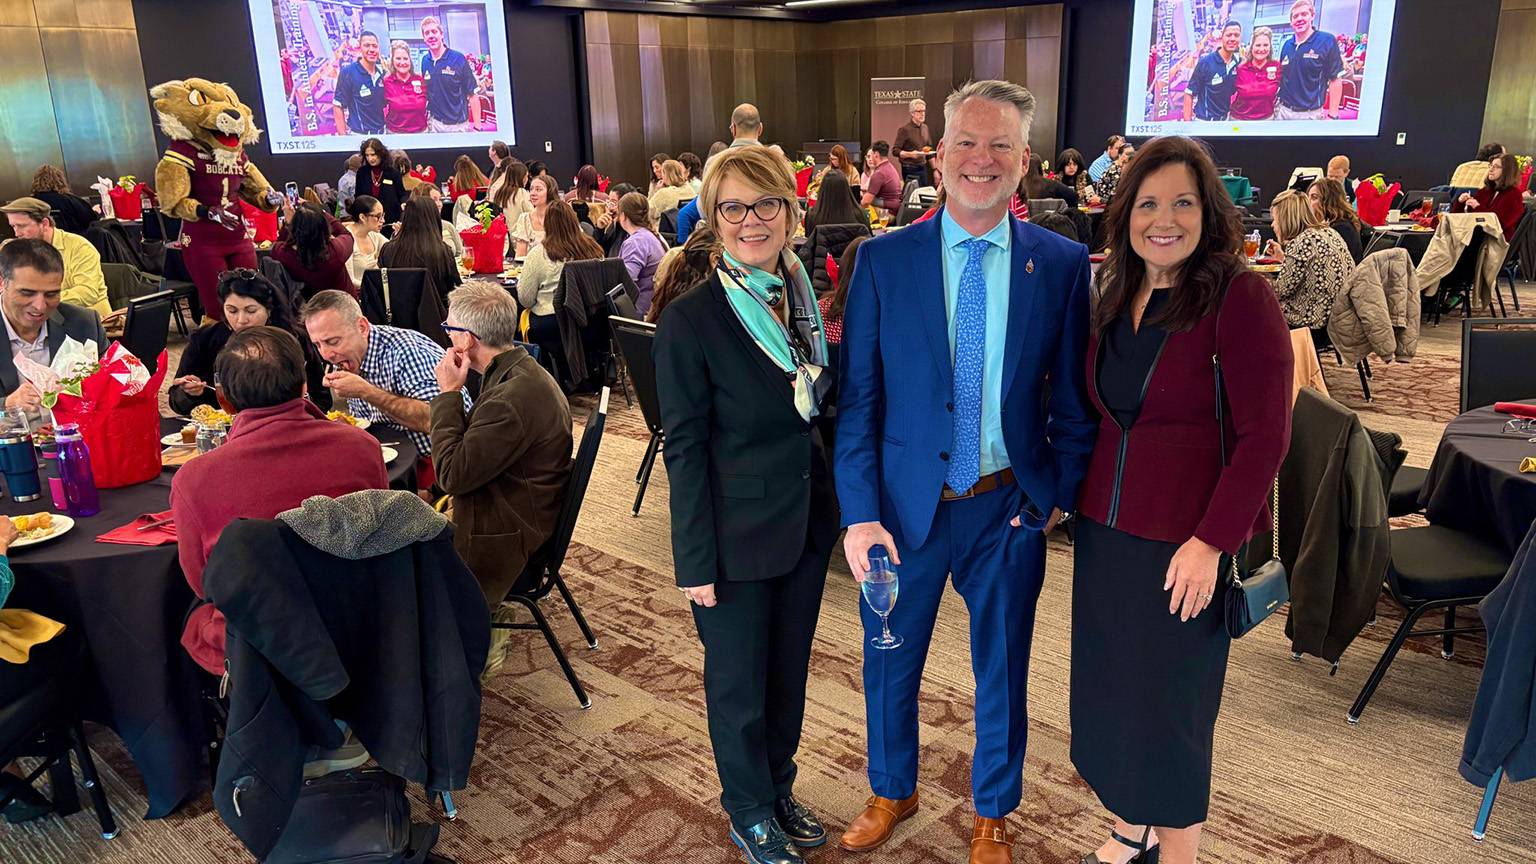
{"points": [[735, 212]]}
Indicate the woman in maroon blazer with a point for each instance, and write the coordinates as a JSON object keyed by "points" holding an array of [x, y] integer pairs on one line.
{"points": [[1159, 511], [1500, 195]]}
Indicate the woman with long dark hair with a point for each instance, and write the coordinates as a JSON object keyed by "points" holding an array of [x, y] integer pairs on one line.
{"points": [[316, 250], [585, 189], [379, 177], [657, 181], [563, 241], [833, 302], [367, 218], [1330, 204], [1036, 185], [419, 243], [1149, 645], [1073, 171], [835, 204], [249, 300], [528, 231], [695, 168]]}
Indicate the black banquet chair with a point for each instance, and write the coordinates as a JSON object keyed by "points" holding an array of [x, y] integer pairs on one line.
{"points": [[1496, 361], [542, 573], [1433, 568], [147, 327], [635, 339], [45, 722]]}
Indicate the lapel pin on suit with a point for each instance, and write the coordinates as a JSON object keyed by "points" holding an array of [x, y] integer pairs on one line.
{"points": [[1029, 266]]}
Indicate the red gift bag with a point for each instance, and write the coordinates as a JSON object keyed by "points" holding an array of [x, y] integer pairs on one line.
{"points": [[1373, 205], [128, 204], [265, 223], [119, 418], [488, 247], [803, 181]]}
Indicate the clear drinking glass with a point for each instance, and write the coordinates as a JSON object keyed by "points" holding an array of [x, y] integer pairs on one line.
{"points": [[880, 588]]}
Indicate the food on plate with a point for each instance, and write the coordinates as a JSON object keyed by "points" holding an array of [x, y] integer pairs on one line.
{"points": [[33, 527], [341, 417], [189, 433], [207, 415], [44, 434]]}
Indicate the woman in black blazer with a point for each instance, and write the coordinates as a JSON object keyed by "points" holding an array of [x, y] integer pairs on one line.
{"points": [[379, 178], [754, 517]]}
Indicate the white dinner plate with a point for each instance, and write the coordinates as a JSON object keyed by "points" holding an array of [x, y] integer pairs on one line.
{"points": [[173, 439], [390, 454], [362, 422], [61, 526]]}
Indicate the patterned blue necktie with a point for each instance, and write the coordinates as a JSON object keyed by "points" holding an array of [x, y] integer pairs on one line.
{"points": [[970, 357]]}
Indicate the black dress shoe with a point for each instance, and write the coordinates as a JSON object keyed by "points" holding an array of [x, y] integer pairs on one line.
{"points": [[766, 843], [799, 823]]}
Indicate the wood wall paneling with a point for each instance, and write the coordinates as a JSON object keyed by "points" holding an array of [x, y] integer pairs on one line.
{"points": [[811, 80], [17, 13], [1510, 116], [100, 102]]}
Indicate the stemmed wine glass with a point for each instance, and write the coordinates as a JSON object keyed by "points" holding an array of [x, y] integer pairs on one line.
{"points": [[880, 588]]}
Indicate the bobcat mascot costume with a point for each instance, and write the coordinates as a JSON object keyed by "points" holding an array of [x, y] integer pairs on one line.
{"points": [[204, 175]]}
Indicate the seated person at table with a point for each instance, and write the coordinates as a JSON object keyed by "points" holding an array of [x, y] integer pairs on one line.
{"points": [[451, 238], [642, 249], [1338, 169], [70, 212], [1499, 195], [32, 219], [1104, 188], [1314, 261], [1329, 204], [1035, 185], [384, 373], [36, 320], [280, 450], [674, 192], [505, 461], [250, 300], [884, 187], [563, 241], [419, 243], [315, 250]]}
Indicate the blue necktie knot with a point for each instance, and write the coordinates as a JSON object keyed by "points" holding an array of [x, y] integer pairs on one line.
{"points": [[970, 362]]}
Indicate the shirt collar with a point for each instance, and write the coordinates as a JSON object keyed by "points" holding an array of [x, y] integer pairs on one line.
{"points": [[954, 235], [10, 332]]}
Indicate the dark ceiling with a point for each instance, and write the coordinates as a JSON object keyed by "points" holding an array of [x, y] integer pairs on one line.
{"points": [[793, 10]]}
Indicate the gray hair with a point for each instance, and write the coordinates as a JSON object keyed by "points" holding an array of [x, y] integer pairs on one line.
{"points": [[331, 300], [487, 310], [1005, 92], [916, 104]]}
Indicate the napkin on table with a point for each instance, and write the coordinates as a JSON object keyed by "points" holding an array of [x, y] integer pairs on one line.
{"points": [[131, 535], [1517, 409]]}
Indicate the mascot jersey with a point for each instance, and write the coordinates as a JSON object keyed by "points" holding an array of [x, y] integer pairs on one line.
{"points": [[212, 186]]}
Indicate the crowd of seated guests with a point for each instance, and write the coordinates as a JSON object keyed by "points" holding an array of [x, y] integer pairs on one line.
{"points": [[1315, 262], [540, 277], [674, 191]]}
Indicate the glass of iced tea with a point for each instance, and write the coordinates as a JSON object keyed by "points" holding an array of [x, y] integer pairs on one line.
{"points": [[1251, 246]]}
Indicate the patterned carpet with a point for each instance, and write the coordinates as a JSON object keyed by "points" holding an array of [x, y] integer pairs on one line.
{"points": [[631, 780]]}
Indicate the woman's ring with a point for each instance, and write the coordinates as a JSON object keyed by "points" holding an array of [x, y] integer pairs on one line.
{"points": [[1206, 597]]}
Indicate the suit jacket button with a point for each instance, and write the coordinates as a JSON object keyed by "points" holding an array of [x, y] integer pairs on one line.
{"points": [[944, 455], [805, 475], [805, 433], [950, 407]]}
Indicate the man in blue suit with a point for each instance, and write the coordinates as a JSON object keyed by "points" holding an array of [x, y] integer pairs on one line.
{"points": [[950, 454]]}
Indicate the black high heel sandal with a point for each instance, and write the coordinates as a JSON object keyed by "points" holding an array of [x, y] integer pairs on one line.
{"points": [[1143, 855]]}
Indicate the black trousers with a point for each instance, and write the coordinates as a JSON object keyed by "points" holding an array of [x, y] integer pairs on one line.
{"points": [[757, 650]]}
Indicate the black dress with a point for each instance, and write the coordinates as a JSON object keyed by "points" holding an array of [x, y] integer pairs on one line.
{"points": [[1146, 688]]}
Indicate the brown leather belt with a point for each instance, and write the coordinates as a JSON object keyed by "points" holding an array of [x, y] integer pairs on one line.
{"points": [[983, 485]]}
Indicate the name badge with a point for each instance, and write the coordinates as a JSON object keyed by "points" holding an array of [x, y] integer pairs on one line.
{"points": [[416, 85], [364, 93], [1272, 71], [1311, 55], [1215, 80], [426, 73], [389, 182], [448, 71]]}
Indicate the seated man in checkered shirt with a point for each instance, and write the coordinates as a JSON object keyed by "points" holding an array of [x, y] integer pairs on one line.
{"points": [[385, 373]]}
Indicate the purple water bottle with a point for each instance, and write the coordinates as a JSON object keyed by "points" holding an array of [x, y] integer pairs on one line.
{"points": [[75, 471]]}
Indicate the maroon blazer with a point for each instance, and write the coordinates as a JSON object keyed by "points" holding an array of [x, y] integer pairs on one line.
{"points": [[1170, 480]]}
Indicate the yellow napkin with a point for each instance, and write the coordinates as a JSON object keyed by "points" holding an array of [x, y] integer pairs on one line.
{"points": [[1528, 465], [20, 630]]}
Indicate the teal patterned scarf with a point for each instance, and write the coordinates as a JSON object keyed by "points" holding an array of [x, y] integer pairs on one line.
{"points": [[801, 352]]}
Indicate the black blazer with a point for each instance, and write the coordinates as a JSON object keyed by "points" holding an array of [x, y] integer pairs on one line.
{"points": [[70, 212], [392, 192], [749, 479], [67, 320]]}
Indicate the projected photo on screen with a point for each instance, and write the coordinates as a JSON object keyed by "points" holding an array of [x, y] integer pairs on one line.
{"points": [[1258, 67], [418, 74]]}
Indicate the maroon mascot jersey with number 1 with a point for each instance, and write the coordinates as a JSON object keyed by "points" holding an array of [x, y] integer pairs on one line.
{"points": [[208, 248]]}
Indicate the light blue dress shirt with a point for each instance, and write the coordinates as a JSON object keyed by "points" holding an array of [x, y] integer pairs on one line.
{"points": [[995, 268]]}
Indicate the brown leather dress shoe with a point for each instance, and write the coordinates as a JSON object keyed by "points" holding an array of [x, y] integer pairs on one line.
{"points": [[990, 843], [873, 827]]}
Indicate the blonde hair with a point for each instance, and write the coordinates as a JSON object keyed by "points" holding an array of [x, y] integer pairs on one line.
{"points": [[673, 173], [761, 169], [1268, 34], [1300, 3], [398, 45], [1293, 214]]}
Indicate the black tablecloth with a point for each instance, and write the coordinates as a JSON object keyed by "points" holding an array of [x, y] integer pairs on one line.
{"points": [[1475, 482], [128, 604]]}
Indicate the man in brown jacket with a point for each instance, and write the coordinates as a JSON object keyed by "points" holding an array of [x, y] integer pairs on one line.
{"points": [[506, 461]]}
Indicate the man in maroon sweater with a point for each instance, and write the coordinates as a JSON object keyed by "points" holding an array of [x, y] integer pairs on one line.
{"points": [[281, 450]]}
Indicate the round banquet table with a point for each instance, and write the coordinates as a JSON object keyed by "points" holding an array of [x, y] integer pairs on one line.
{"points": [[128, 604], [1475, 482]]}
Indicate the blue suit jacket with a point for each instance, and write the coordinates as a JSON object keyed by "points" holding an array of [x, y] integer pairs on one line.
{"points": [[894, 416]]}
